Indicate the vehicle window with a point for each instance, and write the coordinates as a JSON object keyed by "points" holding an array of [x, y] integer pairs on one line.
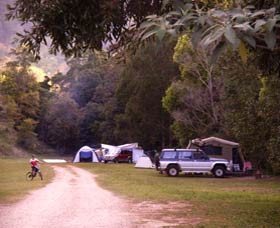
{"points": [[198, 155], [212, 150], [185, 155], [169, 155]]}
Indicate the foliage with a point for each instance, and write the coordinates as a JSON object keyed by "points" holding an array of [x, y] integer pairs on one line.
{"points": [[269, 100], [194, 100], [61, 123], [242, 109], [26, 134], [144, 81], [227, 99], [76, 26], [252, 114], [241, 28], [7, 133], [90, 86], [21, 101]]}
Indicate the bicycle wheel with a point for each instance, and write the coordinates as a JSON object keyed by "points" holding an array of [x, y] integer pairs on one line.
{"points": [[29, 176]]}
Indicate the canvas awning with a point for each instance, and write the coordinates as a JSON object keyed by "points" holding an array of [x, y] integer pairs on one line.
{"points": [[223, 141]]}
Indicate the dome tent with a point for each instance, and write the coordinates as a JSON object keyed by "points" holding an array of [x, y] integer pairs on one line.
{"points": [[144, 162], [85, 154]]}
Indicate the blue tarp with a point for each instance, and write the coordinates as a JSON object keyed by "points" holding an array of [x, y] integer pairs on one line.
{"points": [[85, 155]]}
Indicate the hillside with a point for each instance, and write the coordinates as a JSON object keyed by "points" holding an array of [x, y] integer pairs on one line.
{"points": [[48, 64]]}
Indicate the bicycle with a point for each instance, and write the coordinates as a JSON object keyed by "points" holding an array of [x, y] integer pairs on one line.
{"points": [[29, 176]]}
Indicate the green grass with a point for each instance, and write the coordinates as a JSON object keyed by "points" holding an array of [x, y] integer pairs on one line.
{"points": [[13, 185], [227, 202]]}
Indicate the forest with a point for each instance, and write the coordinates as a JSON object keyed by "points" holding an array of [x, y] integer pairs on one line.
{"points": [[156, 72]]}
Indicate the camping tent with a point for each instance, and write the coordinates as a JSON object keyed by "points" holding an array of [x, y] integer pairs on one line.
{"points": [[136, 154], [216, 147], [144, 162], [136, 151], [110, 150], [85, 154], [221, 148]]}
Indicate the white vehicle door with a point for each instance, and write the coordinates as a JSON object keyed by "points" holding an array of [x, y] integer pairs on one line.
{"points": [[201, 163], [185, 160]]}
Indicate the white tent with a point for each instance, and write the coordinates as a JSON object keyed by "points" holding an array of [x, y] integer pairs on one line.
{"points": [[85, 154], [110, 150], [136, 151], [144, 162], [113, 151], [129, 146], [137, 154]]}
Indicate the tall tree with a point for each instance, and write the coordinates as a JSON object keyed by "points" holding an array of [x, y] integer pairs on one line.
{"points": [[61, 123], [20, 91], [269, 101], [91, 83], [144, 80], [242, 108], [194, 100]]}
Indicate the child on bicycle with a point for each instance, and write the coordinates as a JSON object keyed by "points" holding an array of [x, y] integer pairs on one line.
{"points": [[34, 162]]}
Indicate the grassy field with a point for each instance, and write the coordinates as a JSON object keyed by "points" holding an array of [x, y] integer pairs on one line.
{"points": [[228, 202], [13, 185]]}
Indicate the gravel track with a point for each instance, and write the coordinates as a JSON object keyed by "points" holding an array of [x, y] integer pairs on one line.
{"points": [[72, 200]]}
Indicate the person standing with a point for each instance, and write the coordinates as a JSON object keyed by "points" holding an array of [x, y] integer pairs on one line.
{"points": [[156, 159]]}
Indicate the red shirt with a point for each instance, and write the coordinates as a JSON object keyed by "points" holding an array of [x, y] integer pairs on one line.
{"points": [[34, 162]]}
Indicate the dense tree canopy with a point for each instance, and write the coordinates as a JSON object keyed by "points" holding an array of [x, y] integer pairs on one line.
{"points": [[75, 26], [143, 83], [20, 96], [92, 23]]}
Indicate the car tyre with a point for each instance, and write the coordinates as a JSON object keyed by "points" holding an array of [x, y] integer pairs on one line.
{"points": [[173, 171], [219, 171]]}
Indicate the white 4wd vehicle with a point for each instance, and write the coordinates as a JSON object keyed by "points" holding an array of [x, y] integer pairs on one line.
{"points": [[174, 161]]}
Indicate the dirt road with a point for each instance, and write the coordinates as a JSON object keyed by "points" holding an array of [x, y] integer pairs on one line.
{"points": [[72, 200]]}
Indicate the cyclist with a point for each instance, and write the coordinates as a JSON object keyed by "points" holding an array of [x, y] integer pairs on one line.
{"points": [[34, 162]]}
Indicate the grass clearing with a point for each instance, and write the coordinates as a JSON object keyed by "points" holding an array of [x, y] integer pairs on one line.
{"points": [[227, 202], [13, 185]]}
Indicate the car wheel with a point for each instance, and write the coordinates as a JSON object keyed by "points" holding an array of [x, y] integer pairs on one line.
{"points": [[173, 171], [116, 160], [219, 171]]}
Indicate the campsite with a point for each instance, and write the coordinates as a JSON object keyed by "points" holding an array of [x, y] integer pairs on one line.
{"points": [[154, 200], [139, 191], [139, 113]]}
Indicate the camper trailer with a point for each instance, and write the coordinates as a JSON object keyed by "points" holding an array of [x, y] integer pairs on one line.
{"points": [[220, 148]]}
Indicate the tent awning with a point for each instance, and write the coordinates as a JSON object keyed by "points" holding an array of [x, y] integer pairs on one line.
{"points": [[215, 139]]}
